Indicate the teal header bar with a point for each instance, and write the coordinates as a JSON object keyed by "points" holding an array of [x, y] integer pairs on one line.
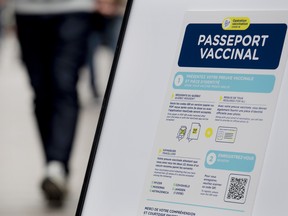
{"points": [[233, 161], [253, 83]]}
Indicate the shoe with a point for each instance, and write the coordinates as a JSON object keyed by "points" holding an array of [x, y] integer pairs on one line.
{"points": [[54, 185]]}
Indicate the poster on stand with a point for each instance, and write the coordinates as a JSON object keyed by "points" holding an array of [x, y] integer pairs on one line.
{"points": [[215, 124]]}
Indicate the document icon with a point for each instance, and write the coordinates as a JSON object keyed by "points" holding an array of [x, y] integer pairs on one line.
{"points": [[226, 134], [194, 132]]}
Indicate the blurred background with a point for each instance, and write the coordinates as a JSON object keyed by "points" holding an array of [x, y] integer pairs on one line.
{"points": [[21, 156]]}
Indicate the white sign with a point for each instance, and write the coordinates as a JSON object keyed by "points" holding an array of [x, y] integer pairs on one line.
{"points": [[218, 113]]}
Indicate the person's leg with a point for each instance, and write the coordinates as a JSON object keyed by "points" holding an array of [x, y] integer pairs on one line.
{"points": [[112, 30], [94, 41], [69, 55], [35, 34], [32, 32], [0, 23], [53, 49]]}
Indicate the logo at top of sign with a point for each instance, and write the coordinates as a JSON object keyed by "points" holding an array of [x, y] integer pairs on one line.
{"points": [[236, 23], [226, 23]]}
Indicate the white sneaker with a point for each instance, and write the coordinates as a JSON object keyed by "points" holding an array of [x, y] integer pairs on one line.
{"points": [[54, 184]]}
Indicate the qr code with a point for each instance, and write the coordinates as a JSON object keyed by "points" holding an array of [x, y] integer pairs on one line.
{"points": [[237, 188]]}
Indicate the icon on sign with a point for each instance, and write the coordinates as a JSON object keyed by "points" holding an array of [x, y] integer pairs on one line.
{"points": [[181, 133], [194, 132]]}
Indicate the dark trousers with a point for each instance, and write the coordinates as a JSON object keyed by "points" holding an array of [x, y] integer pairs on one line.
{"points": [[53, 49], [105, 31]]}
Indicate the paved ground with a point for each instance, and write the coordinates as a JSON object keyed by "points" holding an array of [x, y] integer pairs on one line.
{"points": [[21, 161]]}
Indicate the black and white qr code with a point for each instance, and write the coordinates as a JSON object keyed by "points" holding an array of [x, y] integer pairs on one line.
{"points": [[237, 188]]}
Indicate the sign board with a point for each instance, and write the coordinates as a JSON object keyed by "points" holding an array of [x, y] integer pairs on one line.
{"points": [[194, 114]]}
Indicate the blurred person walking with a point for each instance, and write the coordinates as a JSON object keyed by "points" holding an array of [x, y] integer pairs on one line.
{"points": [[53, 36], [2, 5], [105, 27]]}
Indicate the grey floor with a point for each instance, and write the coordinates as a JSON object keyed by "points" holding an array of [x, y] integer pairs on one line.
{"points": [[21, 159]]}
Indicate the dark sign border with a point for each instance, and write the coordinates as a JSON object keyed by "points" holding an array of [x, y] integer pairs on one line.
{"points": [[104, 107]]}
